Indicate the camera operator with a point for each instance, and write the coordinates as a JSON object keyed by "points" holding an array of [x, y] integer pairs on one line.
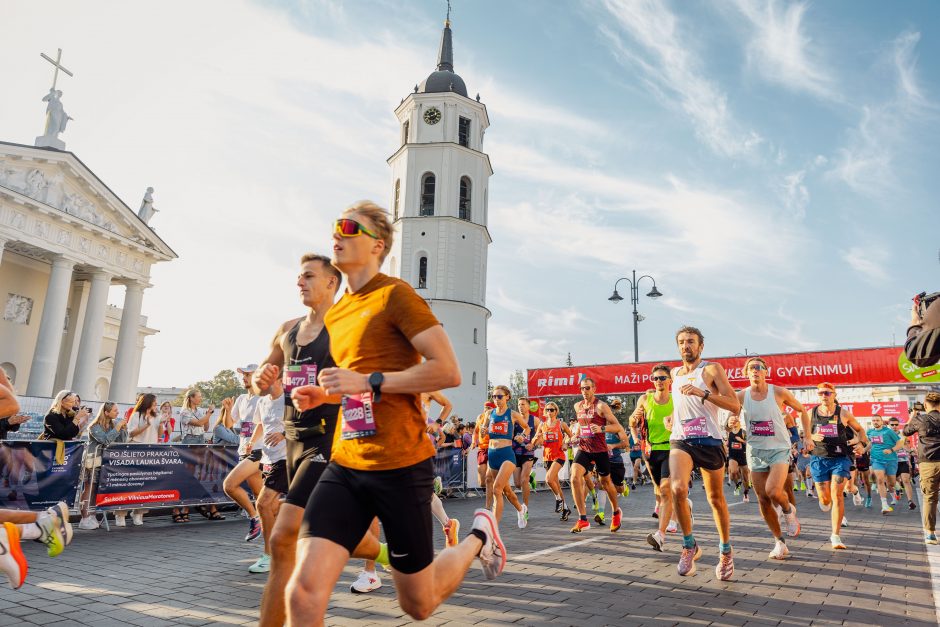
{"points": [[927, 427], [923, 336]]}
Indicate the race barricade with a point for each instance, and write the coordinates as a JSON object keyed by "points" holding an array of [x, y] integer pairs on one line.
{"points": [[32, 479]]}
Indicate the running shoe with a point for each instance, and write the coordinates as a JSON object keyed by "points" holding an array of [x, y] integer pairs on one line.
{"points": [[930, 538], [438, 486], [810, 494], [724, 570], [493, 554], [558, 504], [580, 526], [450, 533], [254, 529], [565, 513], [845, 521], [857, 499], [793, 523], [599, 518], [656, 540], [521, 518], [802, 486], [88, 523], [655, 513], [737, 490], [50, 532], [262, 565], [672, 527], [532, 483], [824, 507], [894, 499], [366, 582], [626, 490], [12, 560], [886, 509], [911, 505], [687, 560], [780, 551], [746, 499], [594, 501], [836, 542], [61, 510], [615, 520], [868, 502]]}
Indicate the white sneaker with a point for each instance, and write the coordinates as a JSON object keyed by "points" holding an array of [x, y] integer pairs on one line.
{"points": [[857, 499], [120, 520], [367, 582], [780, 552], [521, 517], [836, 542], [137, 518], [88, 523], [493, 554], [793, 523], [672, 527], [656, 540], [845, 522], [824, 507], [261, 565], [885, 508], [61, 510]]}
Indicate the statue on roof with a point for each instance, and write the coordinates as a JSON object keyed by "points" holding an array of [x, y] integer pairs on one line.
{"points": [[56, 117], [147, 209]]}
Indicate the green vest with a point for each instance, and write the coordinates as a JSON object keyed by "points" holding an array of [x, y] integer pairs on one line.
{"points": [[657, 433]]}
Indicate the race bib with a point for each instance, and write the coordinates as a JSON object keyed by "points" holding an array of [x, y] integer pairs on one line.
{"points": [[877, 439], [735, 445], [296, 376], [763, 428], [903, 454], [695, 427], [248, 428], [358, 419], [585, 431], [828, 431], [551, 437], [499, 428]]}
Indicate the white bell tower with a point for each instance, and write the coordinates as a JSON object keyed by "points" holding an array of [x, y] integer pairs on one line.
{"points": [[440, 178]]}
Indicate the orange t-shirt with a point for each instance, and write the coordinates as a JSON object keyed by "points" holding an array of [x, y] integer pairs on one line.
{"points": [[370, 331], [483, 437]]}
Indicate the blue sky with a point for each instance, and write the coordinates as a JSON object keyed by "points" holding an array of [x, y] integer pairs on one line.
{"points": [[771, 164]]}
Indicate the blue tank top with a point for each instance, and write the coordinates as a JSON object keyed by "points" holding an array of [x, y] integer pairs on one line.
{"points": [[500, 425], [616, 455]]}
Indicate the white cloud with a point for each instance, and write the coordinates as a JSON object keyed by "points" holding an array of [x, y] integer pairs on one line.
{"points": [[671, 68], [780, 51], [870, 261], [796, 195], [789, 331]]}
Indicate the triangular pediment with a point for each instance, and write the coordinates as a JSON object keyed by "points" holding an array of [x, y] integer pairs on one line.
{"points": [[59, 180]]}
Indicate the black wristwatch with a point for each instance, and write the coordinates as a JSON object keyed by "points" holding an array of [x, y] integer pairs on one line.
{"points": [[376, 379], [707, 394]]}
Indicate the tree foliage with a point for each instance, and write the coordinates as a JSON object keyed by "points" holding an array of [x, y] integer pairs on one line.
{"points": [[227, 383]]}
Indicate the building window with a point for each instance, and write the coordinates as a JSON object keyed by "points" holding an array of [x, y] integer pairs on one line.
{"points": [[463, 132], [422, 273], [404, 132], [474, 378], [397, 197], [466, 188], [475, 337], [427, 195]]}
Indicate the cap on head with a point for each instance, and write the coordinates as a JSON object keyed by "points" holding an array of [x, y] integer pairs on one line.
{"points": [[489, 405], [826, 386], [248, 369]]}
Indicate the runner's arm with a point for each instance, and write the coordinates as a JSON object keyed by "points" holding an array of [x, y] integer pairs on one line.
{"points": [[262, 378], [613, 425], [539, 436], [564, 427], [852, 422], [519, 420], [8, 403], [722, 394], [789, 400], [446, 405], [623, 439], [638, 413]]}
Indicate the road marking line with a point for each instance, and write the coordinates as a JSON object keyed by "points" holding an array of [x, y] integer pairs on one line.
{"points": [[933, 559], [554, 549]]}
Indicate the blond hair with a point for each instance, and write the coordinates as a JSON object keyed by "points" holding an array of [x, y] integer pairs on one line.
{"points": [[57, 401], [504, 389], [379, 220]]}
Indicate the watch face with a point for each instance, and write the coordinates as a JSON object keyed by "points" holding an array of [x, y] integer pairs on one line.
{"points": [[432, 115]]}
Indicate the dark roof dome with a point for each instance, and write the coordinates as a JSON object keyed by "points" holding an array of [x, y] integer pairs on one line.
{"points": [[444, 79]]}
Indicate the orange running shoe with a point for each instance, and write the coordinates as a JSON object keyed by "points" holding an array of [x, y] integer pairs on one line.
{"points": [[450, 533], [580, 526], [615, 521], [12, 560]]}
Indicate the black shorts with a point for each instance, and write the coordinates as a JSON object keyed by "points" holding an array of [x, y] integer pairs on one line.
{"points": [[704, 456], [863, 462], [659, 465], [274, 476], [737, 455], [306, 461], [522, 459], [617, 473], [548, 463], [254, 456], [345, 502], [904, 468], [601, 462]]}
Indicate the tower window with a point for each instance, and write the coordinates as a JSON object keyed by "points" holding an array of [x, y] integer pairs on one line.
{"points": [[427, 195], [464, 201], [475, 336], [463, 132], [397, 196], [422, 273], [474, 379], [404, 132]]}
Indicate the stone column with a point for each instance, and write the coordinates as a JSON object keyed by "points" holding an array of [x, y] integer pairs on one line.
{"points": [[51, 326], [3, 242], [89, 347], [123, 383]]}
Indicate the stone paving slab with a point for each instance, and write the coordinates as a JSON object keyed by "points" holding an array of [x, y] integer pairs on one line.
{"points": [[196, 574]]}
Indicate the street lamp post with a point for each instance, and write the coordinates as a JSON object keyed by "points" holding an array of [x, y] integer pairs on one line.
{"points": [[635, 297]]}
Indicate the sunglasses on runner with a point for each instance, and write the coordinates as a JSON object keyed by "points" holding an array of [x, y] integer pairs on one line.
{"points": [[499, 396], [824, 393], [550, 410], [585, 387], [345, 227], [661, 377], [757, 367]]}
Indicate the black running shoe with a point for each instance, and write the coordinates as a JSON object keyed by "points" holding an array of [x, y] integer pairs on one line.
{"points": [[558, 503], [565, 513]]}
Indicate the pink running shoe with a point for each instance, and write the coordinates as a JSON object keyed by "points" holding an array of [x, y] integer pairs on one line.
{"points": [[725, 568], [687, 560]]}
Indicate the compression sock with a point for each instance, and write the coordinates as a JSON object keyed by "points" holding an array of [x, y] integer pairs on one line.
{"points": [[688, 541], [724, 547], [382, 557]]}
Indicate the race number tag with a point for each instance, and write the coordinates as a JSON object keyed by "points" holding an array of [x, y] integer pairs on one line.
{"points": [[903, 455], [551, 437], [358, 419], [248, 428], [499, 428], [828, 431], [695, 427], [877, 439], [763, 428], [296, 376], [585, 431], [735, 445]]}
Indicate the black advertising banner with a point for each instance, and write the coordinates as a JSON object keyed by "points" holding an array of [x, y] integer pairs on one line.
{"points": [[31, 480], [163, 474]]}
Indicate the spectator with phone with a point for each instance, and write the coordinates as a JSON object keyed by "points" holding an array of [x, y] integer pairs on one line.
{"points": [[103, 432], [143, 427], [923, 336], [65, 419], [195, 420]]}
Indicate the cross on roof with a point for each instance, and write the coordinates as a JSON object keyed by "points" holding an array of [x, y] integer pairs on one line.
{"points": [[57, 62]]}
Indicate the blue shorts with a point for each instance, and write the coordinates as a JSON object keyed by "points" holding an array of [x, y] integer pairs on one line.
{"points": [[890, 466], [823, 468], [498, 456]]}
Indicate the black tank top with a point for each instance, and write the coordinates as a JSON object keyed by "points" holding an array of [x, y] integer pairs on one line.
{"points": [[738, 438], [831, 446], [321, 420]]}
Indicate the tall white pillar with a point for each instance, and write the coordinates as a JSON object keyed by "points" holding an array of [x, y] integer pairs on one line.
{"points": [[123, 381], [46, 357], [89, 347]]}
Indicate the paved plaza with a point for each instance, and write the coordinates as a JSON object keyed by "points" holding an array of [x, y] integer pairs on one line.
{"points": [[196, 574]]}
